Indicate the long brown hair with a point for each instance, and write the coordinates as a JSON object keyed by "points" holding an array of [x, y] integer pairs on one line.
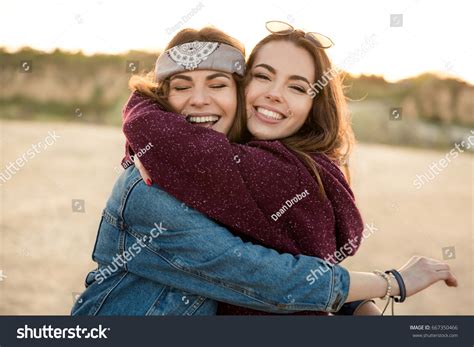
{"points": [[148, 85], [327, 129]]}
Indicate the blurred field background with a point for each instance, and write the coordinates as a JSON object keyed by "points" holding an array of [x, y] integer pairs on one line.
{"points": [[46, 246]]}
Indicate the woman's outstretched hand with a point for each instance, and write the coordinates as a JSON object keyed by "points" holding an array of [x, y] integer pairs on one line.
{"points": [[418, 273], [421, 272]]}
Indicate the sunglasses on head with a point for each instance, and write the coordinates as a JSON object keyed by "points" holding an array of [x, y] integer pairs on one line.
{"points": [[281, 28]]}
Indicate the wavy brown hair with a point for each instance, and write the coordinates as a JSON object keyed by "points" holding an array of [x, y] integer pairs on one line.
{"points": [[148, 85], [327, 129]]}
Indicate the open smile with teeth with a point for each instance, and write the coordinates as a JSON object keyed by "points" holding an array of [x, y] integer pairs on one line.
{"points": [[270, 114], [203, 120]]}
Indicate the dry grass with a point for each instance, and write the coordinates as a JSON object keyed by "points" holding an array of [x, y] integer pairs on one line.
{"points": [[45, 247]]}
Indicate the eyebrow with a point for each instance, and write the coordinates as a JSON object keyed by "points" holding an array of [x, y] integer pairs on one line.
{"points": [[208, 78], [181, 77], [217, 74], [292, 77]]}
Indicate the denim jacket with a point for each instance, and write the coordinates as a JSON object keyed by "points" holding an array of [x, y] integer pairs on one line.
{"points": [[157, 256]]}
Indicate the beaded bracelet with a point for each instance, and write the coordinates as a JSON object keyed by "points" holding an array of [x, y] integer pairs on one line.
{"points": [[401, 285], [389, 283]]}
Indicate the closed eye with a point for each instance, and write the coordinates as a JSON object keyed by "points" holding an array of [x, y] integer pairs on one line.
{"points": [[179, 88], [218, 86], [299, 89]]}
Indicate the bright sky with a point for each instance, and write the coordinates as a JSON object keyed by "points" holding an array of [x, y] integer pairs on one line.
{"points": [[434, 37]]}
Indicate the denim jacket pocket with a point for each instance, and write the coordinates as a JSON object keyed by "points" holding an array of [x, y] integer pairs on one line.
{"points": [[172, 301]]}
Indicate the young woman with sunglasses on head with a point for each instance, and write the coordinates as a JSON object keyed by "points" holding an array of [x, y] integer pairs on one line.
{"points": [[311, 131], [198, 255]]}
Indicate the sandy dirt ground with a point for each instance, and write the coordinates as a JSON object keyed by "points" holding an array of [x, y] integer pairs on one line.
{"points": [[45, 247]]}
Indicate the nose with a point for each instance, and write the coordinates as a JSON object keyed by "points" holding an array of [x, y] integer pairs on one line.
{"points": [[274, 94], [199, 98]]}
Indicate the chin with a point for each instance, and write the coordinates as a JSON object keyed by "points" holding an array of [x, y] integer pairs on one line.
{"points": [[223, 129], [262, 135]]}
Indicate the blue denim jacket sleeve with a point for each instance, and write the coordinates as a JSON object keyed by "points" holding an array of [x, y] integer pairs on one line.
{"points": [[221, 266], [185, 250]]}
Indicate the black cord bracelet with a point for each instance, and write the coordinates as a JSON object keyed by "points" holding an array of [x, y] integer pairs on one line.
{"points": [[401, 285]]}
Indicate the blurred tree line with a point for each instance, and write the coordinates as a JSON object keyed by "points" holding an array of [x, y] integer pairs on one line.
{"points": [[67, 86], [432, 112]]}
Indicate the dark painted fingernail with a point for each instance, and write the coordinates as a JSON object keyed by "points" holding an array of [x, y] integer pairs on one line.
{"points": [[149, 182]]}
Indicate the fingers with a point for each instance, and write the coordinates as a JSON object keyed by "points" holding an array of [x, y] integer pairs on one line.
{"points": [[442, 271], [432, 264], [137, 163], [448, 277], [143, 172], [444, 268], [145, 176]]}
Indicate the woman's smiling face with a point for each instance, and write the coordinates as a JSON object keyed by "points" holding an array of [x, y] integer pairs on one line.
{"points": [[206, 97], [277, 99]]}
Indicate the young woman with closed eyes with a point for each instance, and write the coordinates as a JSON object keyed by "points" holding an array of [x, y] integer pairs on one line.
{"points": [[282, 189]]}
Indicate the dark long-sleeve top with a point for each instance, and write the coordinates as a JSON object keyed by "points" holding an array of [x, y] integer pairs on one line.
{"points": [[260, 190]]}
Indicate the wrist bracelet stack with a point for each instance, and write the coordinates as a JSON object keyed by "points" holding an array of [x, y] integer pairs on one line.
{"points": [[387, 278], [401, 285], [388, 295]]}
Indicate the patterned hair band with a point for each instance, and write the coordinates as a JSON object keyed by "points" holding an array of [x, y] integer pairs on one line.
{"points": [[199, 55]]}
